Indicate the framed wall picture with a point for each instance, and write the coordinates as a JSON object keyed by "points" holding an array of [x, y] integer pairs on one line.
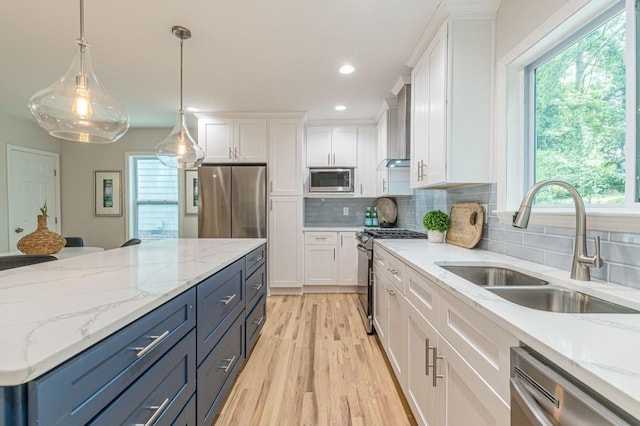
{"points": [[108, 193], [191, 191]]}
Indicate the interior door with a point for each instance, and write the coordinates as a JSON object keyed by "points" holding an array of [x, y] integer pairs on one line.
{"points": [[32, 180]]}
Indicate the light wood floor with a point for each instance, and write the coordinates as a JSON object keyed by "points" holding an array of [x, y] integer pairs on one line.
{"points": [[314, 365]]}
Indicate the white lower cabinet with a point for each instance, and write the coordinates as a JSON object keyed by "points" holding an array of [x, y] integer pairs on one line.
{"points": [[285, 244], [457, 382], [331, 260]]}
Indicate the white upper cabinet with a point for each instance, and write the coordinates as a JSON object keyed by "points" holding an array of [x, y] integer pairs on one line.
{"points": [[332, 146], [230, 140], [285, 157], [367, 162], [451, 114]]}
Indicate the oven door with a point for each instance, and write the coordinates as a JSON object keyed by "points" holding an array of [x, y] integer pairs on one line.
{"points": [[365, 287]]}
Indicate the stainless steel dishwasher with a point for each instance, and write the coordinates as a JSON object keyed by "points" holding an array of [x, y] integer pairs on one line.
{"points": [[544, 395]]}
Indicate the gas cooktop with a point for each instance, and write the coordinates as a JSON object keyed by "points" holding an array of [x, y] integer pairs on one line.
{"points": [[395, 233]]}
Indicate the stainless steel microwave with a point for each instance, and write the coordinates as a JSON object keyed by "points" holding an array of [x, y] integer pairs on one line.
{"points": [[330, 180]]}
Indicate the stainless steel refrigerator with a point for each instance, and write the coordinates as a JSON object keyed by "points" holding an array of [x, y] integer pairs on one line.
{"points": [[232, 201]]}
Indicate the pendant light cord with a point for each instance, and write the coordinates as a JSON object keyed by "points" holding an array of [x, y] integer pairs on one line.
{"points": [[181, 42], [80, 79]]}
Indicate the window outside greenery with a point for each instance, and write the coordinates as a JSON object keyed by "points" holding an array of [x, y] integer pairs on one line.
{"points": [[578, 118]]}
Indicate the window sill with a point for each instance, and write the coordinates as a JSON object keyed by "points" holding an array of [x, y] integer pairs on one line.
{"points": [[609, 220]]}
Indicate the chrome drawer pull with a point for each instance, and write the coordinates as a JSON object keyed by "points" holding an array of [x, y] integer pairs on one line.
{"points": [[257, 287], [228, 299], [426, 356], [229, 364], [436, 376], [154, 342], [259, 320], [159, 409], [257, 259]]}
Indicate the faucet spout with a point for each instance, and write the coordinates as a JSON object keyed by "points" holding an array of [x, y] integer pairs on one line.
{"points": [[581, 261]]}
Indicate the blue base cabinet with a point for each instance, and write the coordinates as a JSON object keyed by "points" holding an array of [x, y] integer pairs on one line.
{"points": [[174, 366]]}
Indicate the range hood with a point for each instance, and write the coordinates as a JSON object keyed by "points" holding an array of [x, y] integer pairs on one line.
{"points": [[400, 148]]}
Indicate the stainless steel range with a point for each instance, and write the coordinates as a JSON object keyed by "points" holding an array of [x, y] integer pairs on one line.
{"points": [[365, 266]]}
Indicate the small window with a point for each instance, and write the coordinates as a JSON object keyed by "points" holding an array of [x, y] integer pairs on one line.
{"points": [[154, 199], [576, 101]]}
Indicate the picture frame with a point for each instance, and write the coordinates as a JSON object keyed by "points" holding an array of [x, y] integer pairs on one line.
{"points": [[191, 192], [108, 193]]}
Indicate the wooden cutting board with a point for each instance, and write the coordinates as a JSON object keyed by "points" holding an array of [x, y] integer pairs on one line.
{"points": [[467, 220]]}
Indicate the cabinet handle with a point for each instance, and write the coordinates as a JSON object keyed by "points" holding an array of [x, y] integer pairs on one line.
{"points": [[228, 299], [230, 154], [158, 410], [341, 240], [270, 186], [360, 189], [384, 185], [328, 158], [257, 287], [436, 376], [320, 238], [229, 364], [423, 172], [154, 342], [334, 158], [426, 356], [236, 153], [418, 170], [259, 321], [391, 291], [334, 254], [257, 259], [392, 271]]}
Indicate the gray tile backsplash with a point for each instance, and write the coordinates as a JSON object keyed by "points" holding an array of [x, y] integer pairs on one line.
{"points": [[552, 246], [329, 211]]}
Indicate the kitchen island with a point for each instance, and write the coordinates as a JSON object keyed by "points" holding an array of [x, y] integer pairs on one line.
{"points": [[60, 313]]}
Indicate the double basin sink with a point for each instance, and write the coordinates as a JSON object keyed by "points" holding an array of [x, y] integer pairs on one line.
{"points": [[532, 292]]}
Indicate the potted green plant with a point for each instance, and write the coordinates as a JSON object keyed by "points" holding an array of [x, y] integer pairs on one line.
{"points": [[436, 223]]}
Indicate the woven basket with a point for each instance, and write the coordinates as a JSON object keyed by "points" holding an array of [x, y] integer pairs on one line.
{"points": [[41, 241]]}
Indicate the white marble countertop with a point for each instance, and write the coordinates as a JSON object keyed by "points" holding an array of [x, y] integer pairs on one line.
{"points": [[51, 311], [601, 350], [64, 253]]}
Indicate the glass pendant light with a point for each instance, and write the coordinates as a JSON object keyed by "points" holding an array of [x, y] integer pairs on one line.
{"points": [[76, 107], [179, 149]]}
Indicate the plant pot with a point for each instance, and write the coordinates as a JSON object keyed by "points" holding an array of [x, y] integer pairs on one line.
{"points": [[435, 236]]}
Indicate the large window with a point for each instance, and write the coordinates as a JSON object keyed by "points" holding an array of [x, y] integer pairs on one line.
{"points": [[576, 96], [154, 199]]}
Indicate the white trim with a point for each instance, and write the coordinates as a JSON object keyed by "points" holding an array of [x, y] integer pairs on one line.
{"points": [[402, 81], [609, 220], [509, 122]]}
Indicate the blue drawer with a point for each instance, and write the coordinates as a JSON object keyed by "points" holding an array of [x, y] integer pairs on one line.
{"points": [[187, 416], [255, 287], [255, 259], [255, 322], [218, 371], [79, 389], [159, 395], [219, 297]]}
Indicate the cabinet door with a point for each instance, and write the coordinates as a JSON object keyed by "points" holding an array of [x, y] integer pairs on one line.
{"points": [[420, 392], [285, 243], [347, 258], [367, 162], [436, 162], [380, 305], [285, 157], [320, 264], [466, 397], [216, 139], [250, 140], [344, 146], [396, 337], [419, 119], [318, 144]]}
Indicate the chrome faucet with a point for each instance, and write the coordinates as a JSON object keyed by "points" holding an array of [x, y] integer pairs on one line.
{"points": [[581, 262]]}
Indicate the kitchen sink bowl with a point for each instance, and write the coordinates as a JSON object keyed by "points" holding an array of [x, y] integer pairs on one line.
{"points": [[554, 299], [493, 275]]}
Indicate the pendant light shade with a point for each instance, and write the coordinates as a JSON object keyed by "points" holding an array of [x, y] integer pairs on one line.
{"points": [[179, 149], [76, 107]]}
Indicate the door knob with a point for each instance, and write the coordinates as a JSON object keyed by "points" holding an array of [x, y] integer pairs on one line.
{"points": [[19, 230]]}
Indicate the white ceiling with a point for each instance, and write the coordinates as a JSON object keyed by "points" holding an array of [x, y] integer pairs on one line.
{"points": [[244, 55]]}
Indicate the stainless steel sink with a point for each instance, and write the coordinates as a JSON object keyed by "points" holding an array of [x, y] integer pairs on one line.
{"points": [[555, 299], [493, 275]]}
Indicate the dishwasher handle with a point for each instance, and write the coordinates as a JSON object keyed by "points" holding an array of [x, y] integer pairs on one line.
{"points": [[526, 405]]}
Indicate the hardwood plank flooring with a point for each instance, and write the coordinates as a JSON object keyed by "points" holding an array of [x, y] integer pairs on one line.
{"points": [[315, 365]]}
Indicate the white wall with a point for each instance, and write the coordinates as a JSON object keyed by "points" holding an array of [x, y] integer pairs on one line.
{"points": [[517, 18], [78, 163], [14, 131]]}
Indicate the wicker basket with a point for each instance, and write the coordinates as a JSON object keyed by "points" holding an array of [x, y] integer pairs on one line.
{"points": [[41, 241]]}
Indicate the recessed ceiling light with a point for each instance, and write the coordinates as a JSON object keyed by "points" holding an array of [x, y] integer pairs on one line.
{"points": [[340, 107], [193, 109], [346, 69]]}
